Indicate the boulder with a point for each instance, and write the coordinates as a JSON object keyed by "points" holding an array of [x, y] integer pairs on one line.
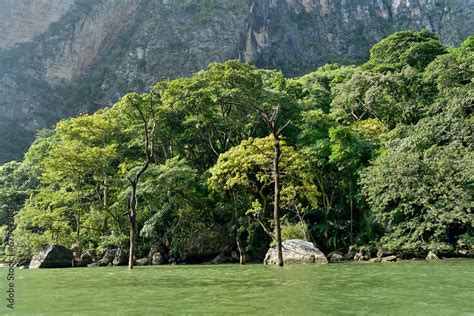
{"points": [[296, 251], [143, 262], [431, 256], [383, 253], [362, 255], [375, 260], [84, 260], [156, 259], [121, 258], [108, 257], [389, 259], [351, 253], [154, 256], [53, 256], [335, 256], [218, 259]]}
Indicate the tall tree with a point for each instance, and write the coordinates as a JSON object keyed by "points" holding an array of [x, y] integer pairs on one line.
{"points": [[144, 106]]}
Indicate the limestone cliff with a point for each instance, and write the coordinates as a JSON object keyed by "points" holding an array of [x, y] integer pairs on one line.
{"points": [[60, 58]]}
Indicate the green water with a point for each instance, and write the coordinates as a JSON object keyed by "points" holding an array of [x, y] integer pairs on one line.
{"points": [[406, 288]]}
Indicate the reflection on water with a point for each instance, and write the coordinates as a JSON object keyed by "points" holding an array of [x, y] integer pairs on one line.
{"points": [[430, 288]]}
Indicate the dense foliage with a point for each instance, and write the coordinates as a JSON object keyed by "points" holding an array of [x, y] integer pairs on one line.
{"points": [[379, 154]]}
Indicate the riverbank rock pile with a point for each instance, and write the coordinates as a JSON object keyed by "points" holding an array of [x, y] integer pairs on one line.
{"points": [[297, 251], [53, 256]]}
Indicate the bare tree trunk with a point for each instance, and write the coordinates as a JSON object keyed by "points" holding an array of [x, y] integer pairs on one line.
{"points": [[352, 212], [132, 217], [276, 204], [106, 206], [149, 152], [243, 258]]}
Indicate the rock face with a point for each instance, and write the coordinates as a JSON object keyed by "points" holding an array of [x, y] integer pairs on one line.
{"points": [[297, 251], [21, 21], [53, 256], [60, 58]]}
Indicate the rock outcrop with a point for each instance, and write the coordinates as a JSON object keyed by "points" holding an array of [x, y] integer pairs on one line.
{"points": [[60, 58], [297, 251], [53, 256]]}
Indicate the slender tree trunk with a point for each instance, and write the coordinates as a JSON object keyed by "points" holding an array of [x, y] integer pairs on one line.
{"points": [[276, 204], [243, 258], [132, 217], [352, 211], [106, 205]]}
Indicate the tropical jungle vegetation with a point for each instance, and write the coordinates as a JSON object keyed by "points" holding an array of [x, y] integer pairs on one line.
{"points": [[377, 155]]}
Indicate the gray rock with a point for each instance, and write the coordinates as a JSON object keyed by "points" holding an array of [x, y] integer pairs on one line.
{"points": [[84, 260], [155, 256], [431, 256], [52, 256], [121, 258], [156, 259], [297, 251], [218, 259], [108, 257], [383, 253], [389, 259], [351, 253], [335, 256], [143, 262], [375, 260], [362, 255]]}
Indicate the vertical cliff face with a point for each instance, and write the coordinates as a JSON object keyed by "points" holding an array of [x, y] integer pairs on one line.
{"points": [[21, 21], [298, 35], [60, 58]]}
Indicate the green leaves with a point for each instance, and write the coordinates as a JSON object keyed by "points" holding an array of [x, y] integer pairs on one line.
{"points": [[407, 48]]}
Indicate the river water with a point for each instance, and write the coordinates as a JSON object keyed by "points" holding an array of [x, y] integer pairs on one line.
{"points": [[405, 288]]}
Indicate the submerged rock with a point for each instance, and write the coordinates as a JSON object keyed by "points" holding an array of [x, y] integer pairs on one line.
{"points": [[297, 251], [431, 256], [53, 256]]}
